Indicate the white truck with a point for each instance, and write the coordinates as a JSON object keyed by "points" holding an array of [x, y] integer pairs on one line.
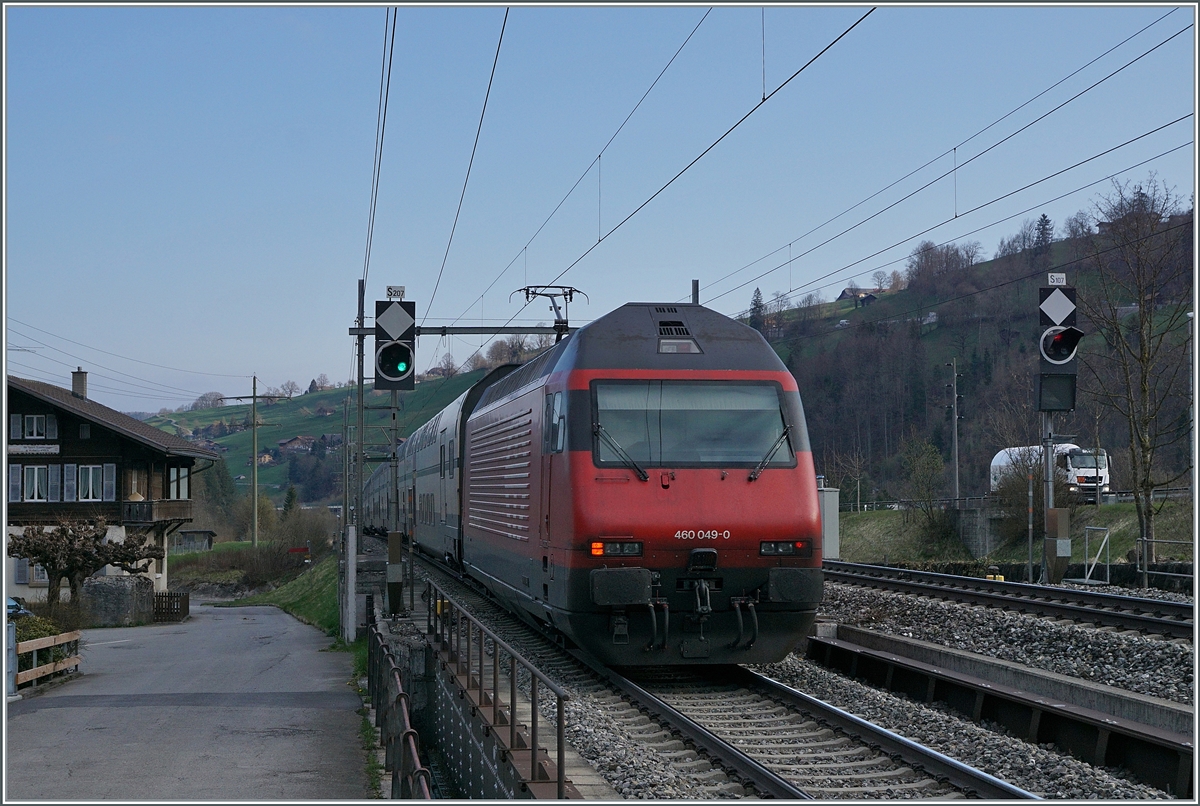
{"points": [[1087, 471]]}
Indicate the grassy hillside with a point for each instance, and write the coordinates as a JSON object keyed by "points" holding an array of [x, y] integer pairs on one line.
{"points": [[312, 414], [310, 597]]}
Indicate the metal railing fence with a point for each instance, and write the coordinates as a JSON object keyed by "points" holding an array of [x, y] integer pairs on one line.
{"points": [[410, 778], [458, 632]]}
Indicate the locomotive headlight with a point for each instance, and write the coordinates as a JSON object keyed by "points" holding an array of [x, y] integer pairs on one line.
{"points": [[622, 548], [786, 548]]}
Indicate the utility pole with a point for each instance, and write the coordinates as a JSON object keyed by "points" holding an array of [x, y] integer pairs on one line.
{"points": [[350, 626], [1047, 480], [254, 461], [953, 387], [254, 451]]}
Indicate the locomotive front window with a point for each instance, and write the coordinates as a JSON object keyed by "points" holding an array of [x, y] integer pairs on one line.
{"points": [[690, 423]]}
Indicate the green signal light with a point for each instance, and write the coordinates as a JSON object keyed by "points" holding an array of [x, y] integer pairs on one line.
{"points": [[395, 361]]}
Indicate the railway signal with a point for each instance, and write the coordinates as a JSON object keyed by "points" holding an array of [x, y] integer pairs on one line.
{"points": [[395, 332], [1057, 346]]}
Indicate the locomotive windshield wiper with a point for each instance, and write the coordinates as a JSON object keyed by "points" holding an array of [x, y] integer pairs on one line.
{"points": [[602, 432], [758, 469]]}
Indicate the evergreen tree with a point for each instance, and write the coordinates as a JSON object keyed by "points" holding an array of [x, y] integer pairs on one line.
{"points": [[290, 501], [1042, 240], [758, 311]]}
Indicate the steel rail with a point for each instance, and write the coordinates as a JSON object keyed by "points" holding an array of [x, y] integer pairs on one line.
{"points": [[1172, 619], [719, 751], [970, 780]]}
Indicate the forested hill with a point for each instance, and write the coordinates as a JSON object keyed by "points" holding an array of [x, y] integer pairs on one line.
{"points": [[874, 379]]}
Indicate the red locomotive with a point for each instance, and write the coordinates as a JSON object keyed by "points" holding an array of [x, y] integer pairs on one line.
{"points": [[645, 487]]}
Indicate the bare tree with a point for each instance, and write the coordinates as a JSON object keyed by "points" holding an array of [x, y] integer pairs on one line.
{"points": [[322, 381], [880, 277], [1142, 259], [447, 366], [477, 361], [208, 400], [923, 475], [848, 466], [290, 388], [76, 550]]}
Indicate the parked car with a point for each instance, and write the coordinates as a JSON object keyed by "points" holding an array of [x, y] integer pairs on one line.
{"points": [[16, 608]]}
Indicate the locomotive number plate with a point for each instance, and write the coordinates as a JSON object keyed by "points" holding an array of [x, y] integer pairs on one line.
{"points": [[702, 534]]}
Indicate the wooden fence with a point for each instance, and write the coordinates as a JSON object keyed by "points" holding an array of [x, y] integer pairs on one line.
{"points": [[71, 639], [170, 606]]}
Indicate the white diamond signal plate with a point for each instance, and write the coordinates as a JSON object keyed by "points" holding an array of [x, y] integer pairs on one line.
{"points": [[1057, 307], [395, 321]]}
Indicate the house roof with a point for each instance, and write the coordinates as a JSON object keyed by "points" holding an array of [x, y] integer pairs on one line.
{"points": [[123, 424]]}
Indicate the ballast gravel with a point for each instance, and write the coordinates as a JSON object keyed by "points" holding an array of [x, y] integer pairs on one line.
{"points": [[1041, 770], [599, 727], [1153, 666]]}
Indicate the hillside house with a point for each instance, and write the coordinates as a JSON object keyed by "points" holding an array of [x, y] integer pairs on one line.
{"points": [[297, 444], [70, 458]]}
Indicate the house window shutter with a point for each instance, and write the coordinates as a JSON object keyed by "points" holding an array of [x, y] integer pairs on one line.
{"points": [[14, 426], [21, 571], [14, 483], [51, 427], [55, 486], [110, 482], [69, 475]]}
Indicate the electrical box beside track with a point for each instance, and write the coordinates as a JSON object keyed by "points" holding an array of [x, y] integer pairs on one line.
{"points": [[830, 536]]}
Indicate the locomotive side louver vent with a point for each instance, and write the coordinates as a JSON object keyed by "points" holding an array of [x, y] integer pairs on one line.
{"points": [[661, 309], [667, 328], [498, 495]]}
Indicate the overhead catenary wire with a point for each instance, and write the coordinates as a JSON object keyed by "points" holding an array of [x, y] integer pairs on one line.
{"points": [[385, 87], [163, 387], [971, 232], [902, 316], [470, 163], [595, 162], [948, 220], [953, 150], [714, 144], [124, 357], [684, 170]]}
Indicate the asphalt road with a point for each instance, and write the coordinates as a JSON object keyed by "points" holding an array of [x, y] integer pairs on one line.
{"points": [[232, 704]]}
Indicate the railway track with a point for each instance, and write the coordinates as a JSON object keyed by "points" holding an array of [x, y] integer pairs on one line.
{"points": [[797, 746], [1147, 616], [738, 734]]}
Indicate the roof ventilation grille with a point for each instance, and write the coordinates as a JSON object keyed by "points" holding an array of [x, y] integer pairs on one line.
{"points": [[661, 309], [666, 328]]}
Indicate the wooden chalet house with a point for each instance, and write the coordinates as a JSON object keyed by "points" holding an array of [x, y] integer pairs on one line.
{"points": [[70, 458]]}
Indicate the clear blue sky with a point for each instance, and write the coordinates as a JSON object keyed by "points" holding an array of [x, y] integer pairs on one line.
{"points": [[189, 187]]}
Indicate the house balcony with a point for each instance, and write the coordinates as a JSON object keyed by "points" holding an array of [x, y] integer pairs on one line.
{"points": [[134, 512]]}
